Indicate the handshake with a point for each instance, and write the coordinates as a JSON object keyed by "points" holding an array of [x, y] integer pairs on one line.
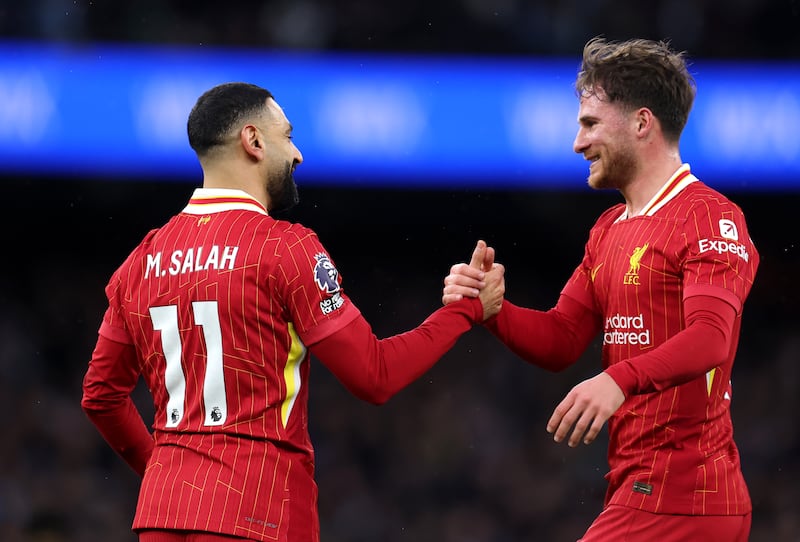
{"points": [[482, 278]]}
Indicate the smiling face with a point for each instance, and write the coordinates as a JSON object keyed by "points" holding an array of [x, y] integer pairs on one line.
{"points": [[606, 137]]}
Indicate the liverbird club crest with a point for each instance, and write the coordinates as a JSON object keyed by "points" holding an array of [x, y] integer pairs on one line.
{"points": [[632, 276]]}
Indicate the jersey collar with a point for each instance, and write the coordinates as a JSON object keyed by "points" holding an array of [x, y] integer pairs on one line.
{"points": [[679, 180], [215, 200]]}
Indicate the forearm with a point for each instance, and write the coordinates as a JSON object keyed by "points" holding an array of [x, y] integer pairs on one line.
{"points": [[107, 386], [703, 344], [124, 430], [553, 339], [376, 369]]}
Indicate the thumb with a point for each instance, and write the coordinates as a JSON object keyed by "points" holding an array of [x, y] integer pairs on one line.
{"points": [[488, 259], [478, 255]]}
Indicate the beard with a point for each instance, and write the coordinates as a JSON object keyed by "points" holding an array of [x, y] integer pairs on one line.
{"points": [[282, 190], [618, 170]]}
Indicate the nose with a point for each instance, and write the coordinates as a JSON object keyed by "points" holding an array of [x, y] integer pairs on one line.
{"points": [[298, 156], [579, 144]]}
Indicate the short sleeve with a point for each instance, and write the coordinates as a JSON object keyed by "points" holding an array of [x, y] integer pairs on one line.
{"points": [[721, 258], [311, 287], [113, 326]]}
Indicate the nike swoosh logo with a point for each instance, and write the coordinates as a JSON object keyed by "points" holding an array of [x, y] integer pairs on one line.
{"points": [[596, 269]]}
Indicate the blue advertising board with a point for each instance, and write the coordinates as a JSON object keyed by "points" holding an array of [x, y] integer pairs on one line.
{"points": [[119, 112]]}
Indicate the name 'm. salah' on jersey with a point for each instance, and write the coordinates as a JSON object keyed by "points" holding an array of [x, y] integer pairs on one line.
{"points": [[243, 293]]}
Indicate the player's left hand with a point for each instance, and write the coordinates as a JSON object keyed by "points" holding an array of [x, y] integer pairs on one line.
{"points": [[466, 280], [586, 407]]}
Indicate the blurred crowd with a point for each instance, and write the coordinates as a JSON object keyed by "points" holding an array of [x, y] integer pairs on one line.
{"points": [[461, 455], [716, 28]]}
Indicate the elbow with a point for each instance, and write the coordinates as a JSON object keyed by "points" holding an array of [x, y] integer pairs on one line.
{"points": [[556, 367], [93, 409], [555, 361], [381, 397], [719, 354], [375, 396], [370, 387], [89, 406], [370, 391], [378, 400], [97, 396], [715, 348], [96, 402]]}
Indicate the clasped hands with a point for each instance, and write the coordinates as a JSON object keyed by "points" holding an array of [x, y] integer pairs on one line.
{"points": [[589, 404], [481, 277]]}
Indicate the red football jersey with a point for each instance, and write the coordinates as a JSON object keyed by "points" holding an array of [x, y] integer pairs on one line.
{"points": [[670, 451], [245, 293]]}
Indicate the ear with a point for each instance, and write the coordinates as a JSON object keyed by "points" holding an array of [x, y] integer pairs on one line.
{"points": [[252, 142], [645, 121]]}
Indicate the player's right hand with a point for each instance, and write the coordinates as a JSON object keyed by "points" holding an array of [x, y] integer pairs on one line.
{"points": [[492, 294], [585, 409], [466, 280]]}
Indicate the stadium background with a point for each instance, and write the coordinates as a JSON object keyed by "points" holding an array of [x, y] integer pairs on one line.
{"points": [[461, 455]]}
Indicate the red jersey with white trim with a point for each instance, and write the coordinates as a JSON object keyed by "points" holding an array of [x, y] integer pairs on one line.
{"points": [[220, 303], [671, 448]]}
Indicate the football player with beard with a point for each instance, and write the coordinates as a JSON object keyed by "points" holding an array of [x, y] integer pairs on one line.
{"points": [[663, 280], [219, 311]]}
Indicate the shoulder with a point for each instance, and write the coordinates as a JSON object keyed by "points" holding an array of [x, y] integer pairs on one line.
{"points": [[296, 243], [148, 238], [710, 215], [609, 216], [143, 246], [710, 212], [292, 232], [702, 198]]}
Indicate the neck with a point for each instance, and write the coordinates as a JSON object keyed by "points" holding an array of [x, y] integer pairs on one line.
{"points": [[238, 181], [646, 185]]}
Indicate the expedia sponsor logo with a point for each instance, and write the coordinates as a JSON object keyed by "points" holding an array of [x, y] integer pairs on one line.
{"points": [[727, 229], [625, 329], [722, 247]]}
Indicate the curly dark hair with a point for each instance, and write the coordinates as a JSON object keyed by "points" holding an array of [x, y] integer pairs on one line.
{"points": [[219, 109], [640, 73]]}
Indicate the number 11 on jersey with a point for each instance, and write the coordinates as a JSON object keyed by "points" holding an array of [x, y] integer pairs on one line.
{"points": [[206, 315]]}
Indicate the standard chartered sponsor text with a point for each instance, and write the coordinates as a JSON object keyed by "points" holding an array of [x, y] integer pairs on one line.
{"points": [[626, 329]]}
